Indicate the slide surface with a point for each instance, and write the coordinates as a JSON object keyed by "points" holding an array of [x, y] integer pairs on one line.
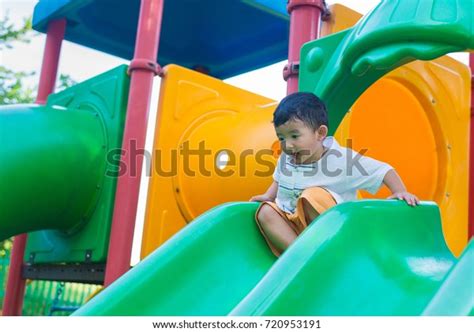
{"points": [[370, 257], [205, 269]]}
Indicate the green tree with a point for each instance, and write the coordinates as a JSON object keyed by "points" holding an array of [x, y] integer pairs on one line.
{"points": [[13, 89]]}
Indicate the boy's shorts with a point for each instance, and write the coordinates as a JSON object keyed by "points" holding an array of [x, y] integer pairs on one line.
{"points": [[317, 197]]}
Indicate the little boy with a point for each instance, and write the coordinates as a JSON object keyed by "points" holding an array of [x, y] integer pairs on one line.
{"points": [[314, 173]]}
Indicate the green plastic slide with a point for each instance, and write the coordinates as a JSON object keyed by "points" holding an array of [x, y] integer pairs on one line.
{"points": [[367, 258], [370, 257], [205, 269]]}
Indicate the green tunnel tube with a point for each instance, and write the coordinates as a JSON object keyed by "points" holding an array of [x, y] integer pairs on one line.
{"points": [[52, 165]]}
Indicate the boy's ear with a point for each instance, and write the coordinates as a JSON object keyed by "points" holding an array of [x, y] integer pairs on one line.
{"points": [[323, 131]]}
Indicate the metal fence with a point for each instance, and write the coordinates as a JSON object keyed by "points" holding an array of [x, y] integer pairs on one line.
{"points": [[46, 298]]}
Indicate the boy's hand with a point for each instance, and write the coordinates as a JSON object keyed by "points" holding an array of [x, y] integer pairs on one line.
{"points": [[261, 198], [406, 196]]}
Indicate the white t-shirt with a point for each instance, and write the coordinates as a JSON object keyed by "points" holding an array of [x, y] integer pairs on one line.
{"points": [[341, 171]]}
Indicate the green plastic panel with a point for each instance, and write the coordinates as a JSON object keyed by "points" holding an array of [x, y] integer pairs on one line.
{"points": [[63, 173], [340, 67], [370, 257]]}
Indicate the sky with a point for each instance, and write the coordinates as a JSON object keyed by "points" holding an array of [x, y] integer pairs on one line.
{"points": [[83, 63]]}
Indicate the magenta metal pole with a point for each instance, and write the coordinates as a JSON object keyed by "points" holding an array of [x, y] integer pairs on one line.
{"points": [[305, 19], [471, 154], [13, 302], [142, 68]]}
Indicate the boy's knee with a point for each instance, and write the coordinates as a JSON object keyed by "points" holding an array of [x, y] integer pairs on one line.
{"points": [[265, 214]]}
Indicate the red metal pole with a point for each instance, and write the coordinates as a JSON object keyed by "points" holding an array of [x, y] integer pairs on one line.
{"points": [[49, 68], [13, 302], [305, 19], [143, 68], [15, 291], [471, 154]]}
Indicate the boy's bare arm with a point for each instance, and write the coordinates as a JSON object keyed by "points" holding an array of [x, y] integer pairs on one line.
{"points": [[393, 181], [270, 195]]}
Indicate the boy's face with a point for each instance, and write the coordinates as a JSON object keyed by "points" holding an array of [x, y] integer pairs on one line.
{"points": [[301, 141]]}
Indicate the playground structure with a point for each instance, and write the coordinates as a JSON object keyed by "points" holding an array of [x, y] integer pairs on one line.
{"points": [[400, 260]]}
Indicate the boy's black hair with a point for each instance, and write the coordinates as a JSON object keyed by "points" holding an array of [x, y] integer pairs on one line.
{"points": [[304, 106]]}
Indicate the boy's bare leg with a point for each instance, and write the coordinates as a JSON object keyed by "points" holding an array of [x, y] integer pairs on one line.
{"points": [[276, 228]]}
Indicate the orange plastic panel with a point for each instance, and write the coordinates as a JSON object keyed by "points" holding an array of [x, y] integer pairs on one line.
{"points": [[417, 119], [231, 124]]}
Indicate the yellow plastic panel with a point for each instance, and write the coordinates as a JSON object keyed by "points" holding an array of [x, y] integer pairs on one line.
{"points": [[341, 18], [417, 119], [231, 124]]}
